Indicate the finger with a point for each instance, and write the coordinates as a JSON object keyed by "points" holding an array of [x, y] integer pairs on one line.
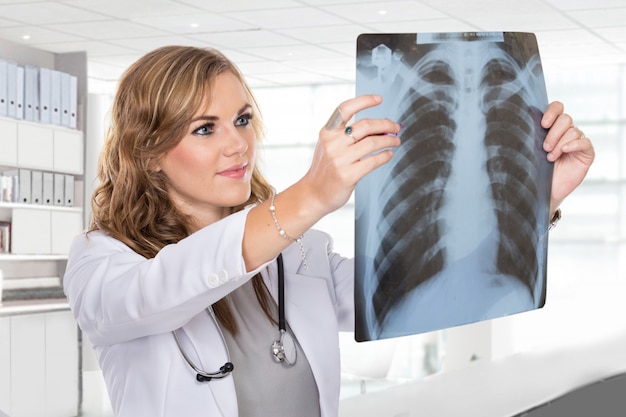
{"points": [[557, 131], [370, 127], [554, 110], [372, 145], [372, 161], [336, 120], [346, 110], [582, 145], [573, 139]]}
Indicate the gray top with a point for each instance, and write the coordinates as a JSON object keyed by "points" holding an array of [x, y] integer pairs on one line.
{"points": [[265, 387]]}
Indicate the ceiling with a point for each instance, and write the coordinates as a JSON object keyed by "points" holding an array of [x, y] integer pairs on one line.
{"points": [[295, 42]]}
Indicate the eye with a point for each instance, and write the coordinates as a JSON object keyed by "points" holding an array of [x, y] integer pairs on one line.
{"points": [[204, 130], [243, 120]]}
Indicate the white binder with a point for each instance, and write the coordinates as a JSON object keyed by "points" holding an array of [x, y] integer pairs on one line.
{"points": [[73, 101], [69, 190], [4, 87], [19, 92], [36, 187], [55, 97], [59, 189], [48, 188], [45, 79], [65, 99], [24, 185], [12, 89], [31, 93]]}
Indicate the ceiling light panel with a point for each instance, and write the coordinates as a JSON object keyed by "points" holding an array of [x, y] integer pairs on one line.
{"points": [[288, 18], [239, 5], [181, 24], [37, 34], [395, 10], [110, 29], [125, 9], [46, 13], [469, 10], [245, 39]]}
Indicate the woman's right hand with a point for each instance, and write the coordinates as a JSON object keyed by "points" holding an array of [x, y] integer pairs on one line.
{"points": [[343, 156]]}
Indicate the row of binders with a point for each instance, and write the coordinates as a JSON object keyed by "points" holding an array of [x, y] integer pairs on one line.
{"points": [[37, 187], [37, 94]]}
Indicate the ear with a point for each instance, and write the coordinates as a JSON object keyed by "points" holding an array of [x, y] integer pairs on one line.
{"points": [[154, 165]]}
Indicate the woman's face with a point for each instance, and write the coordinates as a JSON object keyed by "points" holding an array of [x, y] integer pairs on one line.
{"points": [[210, 170]]}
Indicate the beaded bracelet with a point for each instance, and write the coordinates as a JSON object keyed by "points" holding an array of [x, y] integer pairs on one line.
{"points": [[284, 234]]}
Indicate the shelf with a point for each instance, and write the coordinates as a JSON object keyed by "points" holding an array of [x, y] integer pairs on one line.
{"points": [[18, 257], [16, 308], [7, 208], [50, 207]]}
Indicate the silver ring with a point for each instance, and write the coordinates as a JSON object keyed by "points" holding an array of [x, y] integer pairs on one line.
{"points": [[335, 121]]}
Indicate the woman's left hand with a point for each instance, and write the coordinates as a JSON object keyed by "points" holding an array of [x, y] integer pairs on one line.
{"points": [[569, 149]]}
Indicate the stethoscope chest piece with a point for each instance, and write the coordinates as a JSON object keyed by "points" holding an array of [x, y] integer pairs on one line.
{"points": [[284, 350]]}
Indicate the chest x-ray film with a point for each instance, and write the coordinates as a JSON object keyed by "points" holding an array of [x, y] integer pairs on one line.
{"points": [[454, 229]]}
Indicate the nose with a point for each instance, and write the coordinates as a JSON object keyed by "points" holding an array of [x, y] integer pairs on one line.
{"points": [[237, 143]]}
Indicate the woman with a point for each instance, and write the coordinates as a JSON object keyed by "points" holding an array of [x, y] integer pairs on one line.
{"points": [[176, 279]]}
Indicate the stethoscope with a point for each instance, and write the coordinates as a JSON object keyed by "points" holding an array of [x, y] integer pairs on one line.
{"points": [[285, 354], [281, 353]]}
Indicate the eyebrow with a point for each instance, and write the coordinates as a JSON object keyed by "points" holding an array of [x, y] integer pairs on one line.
{"points": [[215, 118]]}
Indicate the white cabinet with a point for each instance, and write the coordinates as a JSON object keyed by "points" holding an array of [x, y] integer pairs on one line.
{"points": [[30, 232], [5, 364], [68, 151], [39, 362], [39, 231], [35, 146], [64, 226], [8, 142], [43, 147]]}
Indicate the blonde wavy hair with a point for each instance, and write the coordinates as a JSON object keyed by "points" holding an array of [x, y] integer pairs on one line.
{"points": [[156, 99]]}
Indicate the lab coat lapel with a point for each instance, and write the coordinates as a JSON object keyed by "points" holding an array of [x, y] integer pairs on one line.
{"points": [[311, 315]]}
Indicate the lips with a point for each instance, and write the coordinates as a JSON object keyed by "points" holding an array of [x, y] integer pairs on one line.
{"points": [[236, 171]]}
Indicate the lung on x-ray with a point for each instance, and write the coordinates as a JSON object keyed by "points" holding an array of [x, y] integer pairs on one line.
{"points": [[454, 229]]}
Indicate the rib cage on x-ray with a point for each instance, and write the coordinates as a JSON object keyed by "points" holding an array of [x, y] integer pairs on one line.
{"points": [[511, 166], [415, 242], [416, 185]]}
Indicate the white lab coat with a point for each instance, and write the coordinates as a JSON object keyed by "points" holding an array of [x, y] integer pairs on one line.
{"points": [[128, 305]]}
